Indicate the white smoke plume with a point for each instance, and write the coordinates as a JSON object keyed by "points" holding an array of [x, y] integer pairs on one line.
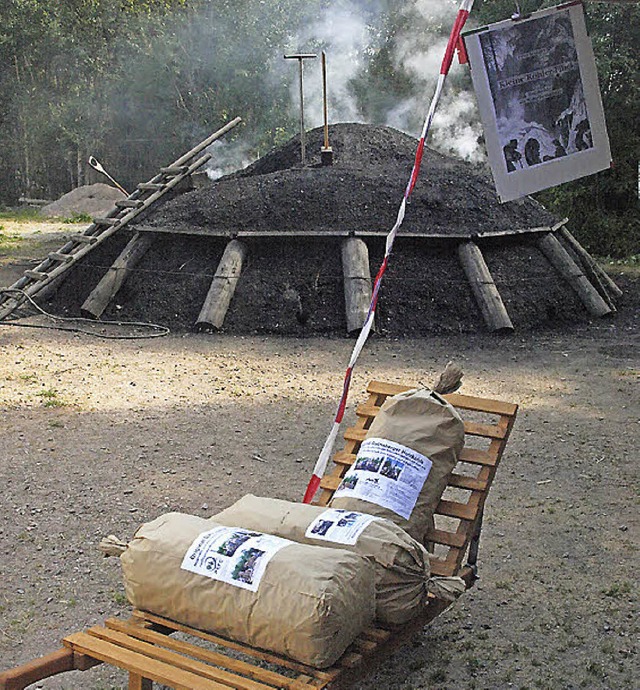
{"points": [[456, 126], [227, 157], [349, 38], [344, 35]]}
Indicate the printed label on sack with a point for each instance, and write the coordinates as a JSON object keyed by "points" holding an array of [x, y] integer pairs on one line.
{"points": [[232, 555], [339, 526], [387, 474]]}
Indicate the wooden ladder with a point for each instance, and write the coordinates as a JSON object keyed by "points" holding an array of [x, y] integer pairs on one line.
{"points": [[78, 246]]}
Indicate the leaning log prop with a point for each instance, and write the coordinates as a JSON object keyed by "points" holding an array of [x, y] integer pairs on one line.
{"points": [[357, 282], [560, 259], [484, 288], [223, 287], [598, 276], [104, 292]]}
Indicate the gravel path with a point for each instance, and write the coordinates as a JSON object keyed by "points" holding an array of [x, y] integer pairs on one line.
{"points": [[99, 436]]}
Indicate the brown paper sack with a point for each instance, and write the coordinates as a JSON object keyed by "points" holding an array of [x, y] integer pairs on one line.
{"points": [[401, 564], [388, 484], [310, 604]]}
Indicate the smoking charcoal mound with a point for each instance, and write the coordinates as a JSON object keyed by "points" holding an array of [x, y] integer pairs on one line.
{"points": [[361, 192], [294, 286]]}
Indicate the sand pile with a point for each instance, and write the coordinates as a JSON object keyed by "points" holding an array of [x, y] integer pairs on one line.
{"points": [[90, 200]]}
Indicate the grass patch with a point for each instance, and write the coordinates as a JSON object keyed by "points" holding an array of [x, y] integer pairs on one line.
{"points": [[8, 240], [120, 599], [630, 266], [77, 218], [618, 589], [503, 584], [20, 215], [50, 398]]}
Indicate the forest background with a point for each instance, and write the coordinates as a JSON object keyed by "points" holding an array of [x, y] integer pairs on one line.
{"points": [[138, 82]]}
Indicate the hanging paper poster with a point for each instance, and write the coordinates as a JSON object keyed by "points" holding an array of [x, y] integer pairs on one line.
{"points": [[235, 556], [387, 474], [339, 526], [537, 88]]}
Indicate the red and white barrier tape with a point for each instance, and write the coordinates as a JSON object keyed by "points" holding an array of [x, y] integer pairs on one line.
{"points": [[325, 453]]}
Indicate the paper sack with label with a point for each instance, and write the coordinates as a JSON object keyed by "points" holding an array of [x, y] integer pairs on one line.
{"points": [[402, 466], [401, 564], [306, 602]]}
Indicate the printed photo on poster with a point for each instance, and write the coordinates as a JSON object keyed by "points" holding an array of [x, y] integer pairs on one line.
{"points": [[536, 84]]}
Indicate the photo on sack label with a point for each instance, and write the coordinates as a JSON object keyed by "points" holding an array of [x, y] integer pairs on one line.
{"points": [[235, 541], [246, 565], [322, 527], [368, 464], [348, 519], [392, 469], [349, 482]]}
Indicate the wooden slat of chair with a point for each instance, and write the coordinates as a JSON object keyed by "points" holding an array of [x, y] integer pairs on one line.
{"points": [[143, 617], [470, 428], [222, 660], [139, 664], [178, 655]]}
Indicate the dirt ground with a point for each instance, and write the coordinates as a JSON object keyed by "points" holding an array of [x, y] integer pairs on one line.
{"points": [[99, 436]]}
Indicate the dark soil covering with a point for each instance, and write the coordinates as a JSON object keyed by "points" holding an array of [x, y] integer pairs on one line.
{"points": [[361, 192], [294, 286]]}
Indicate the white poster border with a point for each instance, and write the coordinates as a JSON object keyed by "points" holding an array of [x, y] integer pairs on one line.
{"points": [[519, 183]]}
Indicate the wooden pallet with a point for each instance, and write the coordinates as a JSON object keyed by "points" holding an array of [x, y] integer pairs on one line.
{"points": [[145, 645]]}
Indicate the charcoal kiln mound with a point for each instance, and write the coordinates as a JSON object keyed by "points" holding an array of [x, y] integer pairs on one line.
{"points": [[359, 193], [286, 248]]}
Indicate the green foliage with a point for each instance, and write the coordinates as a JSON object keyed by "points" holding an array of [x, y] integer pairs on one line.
{"points": [[77, 218], [7, 240], [50, 398], [138, 82]]}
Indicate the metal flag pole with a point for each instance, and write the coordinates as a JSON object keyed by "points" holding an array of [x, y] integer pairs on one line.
{"points": [[300, 57], [325, 453]]}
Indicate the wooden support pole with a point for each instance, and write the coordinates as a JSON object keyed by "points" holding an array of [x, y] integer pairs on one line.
{"points": [[112, 281], [593, 278], [484, 288], [223, 286], [592, 269], [559, 258], [137, 682], [357, 282]]}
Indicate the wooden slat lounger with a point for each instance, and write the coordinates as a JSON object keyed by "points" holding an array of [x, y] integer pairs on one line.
{"points": [[196, 660]]}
